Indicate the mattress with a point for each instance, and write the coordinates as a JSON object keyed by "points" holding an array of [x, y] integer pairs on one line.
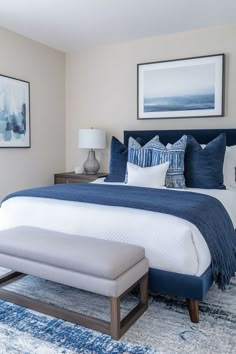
{"points": [[171, 244]]}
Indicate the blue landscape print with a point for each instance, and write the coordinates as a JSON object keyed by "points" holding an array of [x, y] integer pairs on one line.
{"points": [[183, 87], [180, 103], [13, 100]]}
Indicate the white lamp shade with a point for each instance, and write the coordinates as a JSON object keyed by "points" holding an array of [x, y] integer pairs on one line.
{"points": [[91, 139]]}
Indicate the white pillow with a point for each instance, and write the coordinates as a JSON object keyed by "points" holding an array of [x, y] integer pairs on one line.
{"points": [[152, 177], [229, 167]]}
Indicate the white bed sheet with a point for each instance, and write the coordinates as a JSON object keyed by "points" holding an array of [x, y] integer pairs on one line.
{"points": [[171, 243]]}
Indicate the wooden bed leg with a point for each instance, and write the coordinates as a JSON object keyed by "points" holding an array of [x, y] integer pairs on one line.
{"points": [[193, 308]]}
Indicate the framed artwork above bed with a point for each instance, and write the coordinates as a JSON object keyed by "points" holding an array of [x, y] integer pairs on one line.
{"points": [[14, 113], [182, 88]]}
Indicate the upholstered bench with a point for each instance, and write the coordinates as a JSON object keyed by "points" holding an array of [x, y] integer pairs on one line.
{"points": [[103, 267]]}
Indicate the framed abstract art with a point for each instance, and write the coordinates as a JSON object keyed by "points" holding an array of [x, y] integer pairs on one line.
{"points": [[182, 88], [14, 113]]}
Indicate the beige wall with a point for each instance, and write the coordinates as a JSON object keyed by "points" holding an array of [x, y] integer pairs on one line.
{"points": [[101, 85], [45, 69]]}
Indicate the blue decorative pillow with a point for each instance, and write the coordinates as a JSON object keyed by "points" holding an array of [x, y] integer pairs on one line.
{"points": [[118, 160], [155, 153], [175, 155], [204, 167]]}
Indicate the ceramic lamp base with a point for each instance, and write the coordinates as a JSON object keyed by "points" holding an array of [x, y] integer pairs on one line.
{"points": [[91, 165]]}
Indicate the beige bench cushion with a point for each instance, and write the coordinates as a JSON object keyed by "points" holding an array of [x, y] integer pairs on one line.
{"points": [[82, 281], [100, 258]]}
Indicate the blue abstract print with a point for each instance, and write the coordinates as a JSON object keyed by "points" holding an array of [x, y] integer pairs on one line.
{"points": [[14, 102]]}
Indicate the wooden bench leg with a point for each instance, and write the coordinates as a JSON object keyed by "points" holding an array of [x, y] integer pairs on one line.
{"points": [[115, 318], [144, 290], [193, 308], [118, 327]]}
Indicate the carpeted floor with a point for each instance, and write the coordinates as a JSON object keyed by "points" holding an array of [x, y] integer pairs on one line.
{"points": [[164, 328]]}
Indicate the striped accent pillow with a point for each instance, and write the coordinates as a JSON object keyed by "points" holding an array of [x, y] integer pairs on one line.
{"points": [[155, 153], [175, 155], [141, 155]]}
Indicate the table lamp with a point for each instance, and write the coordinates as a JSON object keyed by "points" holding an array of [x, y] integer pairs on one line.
{"points": [[91, 139]]}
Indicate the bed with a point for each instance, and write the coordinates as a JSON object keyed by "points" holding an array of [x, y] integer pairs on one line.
{"points": [[179, 258]]}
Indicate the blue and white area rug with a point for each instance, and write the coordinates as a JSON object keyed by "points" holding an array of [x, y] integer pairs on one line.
{"points": [[164, 328]]}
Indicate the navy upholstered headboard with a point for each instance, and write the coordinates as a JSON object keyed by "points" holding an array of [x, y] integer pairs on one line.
{"points": [[203, 136]]}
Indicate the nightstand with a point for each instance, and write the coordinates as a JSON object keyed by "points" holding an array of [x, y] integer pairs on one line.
{"points": [[72, 177]]}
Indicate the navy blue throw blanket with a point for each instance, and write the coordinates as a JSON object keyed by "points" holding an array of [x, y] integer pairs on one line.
{"points": [[206, 212]]}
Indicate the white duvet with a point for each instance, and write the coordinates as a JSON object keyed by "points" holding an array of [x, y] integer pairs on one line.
{"points": [[171, 243]]}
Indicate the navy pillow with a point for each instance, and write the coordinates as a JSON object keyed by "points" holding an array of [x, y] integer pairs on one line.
{"points": [[204, 167], [118, 160]]}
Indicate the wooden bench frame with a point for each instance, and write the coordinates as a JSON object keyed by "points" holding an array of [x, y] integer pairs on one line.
{"points": [[116, 327]]}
